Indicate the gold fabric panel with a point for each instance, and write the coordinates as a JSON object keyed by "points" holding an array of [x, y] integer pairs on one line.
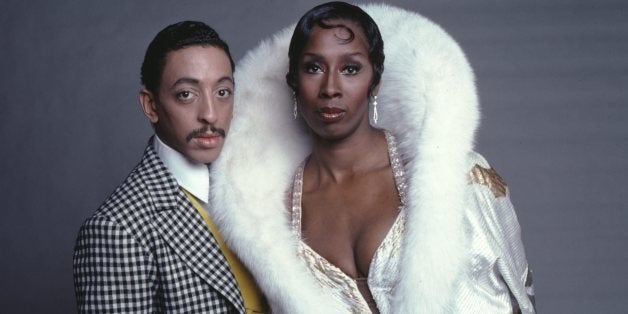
{"points": [[490, 178]]}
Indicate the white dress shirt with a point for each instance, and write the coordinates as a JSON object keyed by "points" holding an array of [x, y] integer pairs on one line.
{"points": [[191, 176]]}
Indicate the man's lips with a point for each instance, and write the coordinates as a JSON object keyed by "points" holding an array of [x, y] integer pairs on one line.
{"points": [[203, 132], [207, 136], [208, 140]]}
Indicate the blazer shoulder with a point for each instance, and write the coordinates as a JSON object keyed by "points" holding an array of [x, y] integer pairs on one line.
{"points": [[133, 203], [131, 196], [148, 186]]}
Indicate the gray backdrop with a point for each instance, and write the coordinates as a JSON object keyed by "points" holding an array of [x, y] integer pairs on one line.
{"points": [[551, 77]]}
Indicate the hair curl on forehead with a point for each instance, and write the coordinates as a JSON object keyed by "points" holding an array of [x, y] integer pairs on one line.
{"points": [[174, 37], [322, 16], [326, 24]]}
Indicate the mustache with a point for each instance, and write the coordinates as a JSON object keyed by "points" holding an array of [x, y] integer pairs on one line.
{"points": [[204, 129]]}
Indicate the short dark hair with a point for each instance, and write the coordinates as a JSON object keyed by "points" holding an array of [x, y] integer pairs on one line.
{"points": [[336, 10], [174, 37]]}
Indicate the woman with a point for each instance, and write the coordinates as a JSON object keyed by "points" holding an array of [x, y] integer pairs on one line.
{"points": [[345, 197], [396, 217]]}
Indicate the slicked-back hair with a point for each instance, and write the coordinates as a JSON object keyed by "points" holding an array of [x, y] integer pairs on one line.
{"points": [[319, 16], [174, 37]]}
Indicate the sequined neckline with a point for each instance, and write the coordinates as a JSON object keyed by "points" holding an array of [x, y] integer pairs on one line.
{"points": [[335, 277]]}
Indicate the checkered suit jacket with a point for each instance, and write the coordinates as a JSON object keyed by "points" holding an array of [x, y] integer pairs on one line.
{"points": [[147, 250]]}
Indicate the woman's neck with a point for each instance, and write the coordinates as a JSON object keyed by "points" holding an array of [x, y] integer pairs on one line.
{"points": [[359, 153]]}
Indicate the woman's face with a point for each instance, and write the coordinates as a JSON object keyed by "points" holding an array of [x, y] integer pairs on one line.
{"points": [[333, 81]]}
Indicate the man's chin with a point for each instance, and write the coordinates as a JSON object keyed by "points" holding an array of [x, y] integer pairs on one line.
{"points": [[203, 157]]}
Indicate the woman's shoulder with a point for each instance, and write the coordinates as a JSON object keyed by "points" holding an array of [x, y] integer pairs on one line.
{"points": [[481, 173], [489, 207]]}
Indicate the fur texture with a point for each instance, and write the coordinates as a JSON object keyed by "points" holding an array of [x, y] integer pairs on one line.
{"points": [[427, 99]]}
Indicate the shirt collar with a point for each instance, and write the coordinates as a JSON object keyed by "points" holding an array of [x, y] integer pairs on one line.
{"points": [[192, 177]]}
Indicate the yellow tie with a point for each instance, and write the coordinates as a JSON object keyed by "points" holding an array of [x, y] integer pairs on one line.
{"points": [[254, 300]]}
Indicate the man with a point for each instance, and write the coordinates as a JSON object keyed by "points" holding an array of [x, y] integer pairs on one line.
{"points": [[151, 247]]}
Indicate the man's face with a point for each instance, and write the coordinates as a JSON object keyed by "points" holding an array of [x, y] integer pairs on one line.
{"points": [[194, 106]]}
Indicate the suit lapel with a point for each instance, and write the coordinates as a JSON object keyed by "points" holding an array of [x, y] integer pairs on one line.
{"points": [[184, 230]]}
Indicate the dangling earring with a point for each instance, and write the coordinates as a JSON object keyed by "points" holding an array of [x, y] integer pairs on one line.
{"points": [[375, 115], [294, 109]]}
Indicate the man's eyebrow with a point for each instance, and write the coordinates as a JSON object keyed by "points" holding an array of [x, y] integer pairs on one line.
{"points": [[226, 79], [185, 80], [189, 80]]}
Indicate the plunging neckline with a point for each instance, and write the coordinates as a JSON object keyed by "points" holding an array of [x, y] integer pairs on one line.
{"points": [[335, 275], [297, 217]]}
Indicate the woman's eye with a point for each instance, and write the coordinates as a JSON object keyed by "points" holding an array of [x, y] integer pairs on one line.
{"points": [[351, 70], [313, 68]]}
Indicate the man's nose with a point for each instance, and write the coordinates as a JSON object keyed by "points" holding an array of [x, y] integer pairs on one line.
{"points": [[207, 112]]}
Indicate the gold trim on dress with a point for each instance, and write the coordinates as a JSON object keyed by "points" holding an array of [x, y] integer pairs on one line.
{"points": [[489, 178], [329, 276]]}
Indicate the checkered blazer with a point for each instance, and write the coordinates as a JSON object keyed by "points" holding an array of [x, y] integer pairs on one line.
{"points": [[147, 250]]}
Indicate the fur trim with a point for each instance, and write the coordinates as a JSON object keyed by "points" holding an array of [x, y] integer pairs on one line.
{"points": [[427, 99]]}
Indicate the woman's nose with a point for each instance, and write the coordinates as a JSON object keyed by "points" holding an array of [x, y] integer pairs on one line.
{"points": [[330, 86]]}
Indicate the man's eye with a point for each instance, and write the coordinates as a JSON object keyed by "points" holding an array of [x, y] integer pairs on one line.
{"points": [[184, 95], [224, 92]]}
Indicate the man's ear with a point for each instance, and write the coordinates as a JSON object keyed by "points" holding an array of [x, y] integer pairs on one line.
{"points": [[148, 102]]}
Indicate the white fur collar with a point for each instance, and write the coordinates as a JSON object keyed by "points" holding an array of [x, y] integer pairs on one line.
{"points": [[427, 99]]}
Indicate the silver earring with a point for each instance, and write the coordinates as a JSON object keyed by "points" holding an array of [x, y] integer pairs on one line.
{"points": [[375, 115], [294, 109]]}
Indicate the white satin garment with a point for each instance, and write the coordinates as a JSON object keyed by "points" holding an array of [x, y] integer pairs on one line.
{"points": [[499, 275], [384, 268], [490, 226]]}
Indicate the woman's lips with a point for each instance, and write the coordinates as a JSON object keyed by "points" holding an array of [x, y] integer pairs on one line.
{"points": [[330, 114]]}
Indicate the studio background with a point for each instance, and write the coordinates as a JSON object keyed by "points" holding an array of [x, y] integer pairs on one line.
{"points": [[552, 78]]}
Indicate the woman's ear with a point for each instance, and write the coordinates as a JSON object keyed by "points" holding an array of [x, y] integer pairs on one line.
{"points": [[375, 90], [148, 102]]}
